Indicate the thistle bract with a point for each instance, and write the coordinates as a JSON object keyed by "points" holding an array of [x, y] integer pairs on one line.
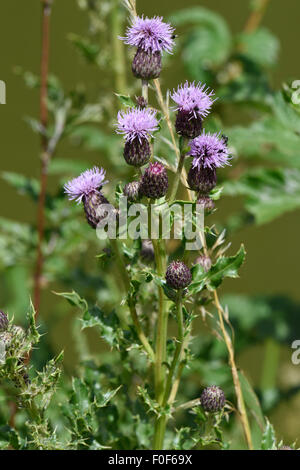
{"points": [[202, 179], [93, 212], [209, 151], [212, 399], [132, 191], [146, 65], [178, 275], [3, 321]]}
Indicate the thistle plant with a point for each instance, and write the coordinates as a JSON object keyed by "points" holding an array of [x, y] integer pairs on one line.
{"points": [[186, 286], [165, 375]]}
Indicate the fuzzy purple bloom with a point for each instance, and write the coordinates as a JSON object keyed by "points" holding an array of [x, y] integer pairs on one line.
{"points": [[88, 182], [137, 123], [150, 34], [195, 100], [209, 151]]}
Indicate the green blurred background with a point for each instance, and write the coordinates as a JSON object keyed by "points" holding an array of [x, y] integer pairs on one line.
{"points": [[272, 265]]}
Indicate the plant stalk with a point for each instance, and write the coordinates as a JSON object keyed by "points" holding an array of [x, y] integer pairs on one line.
{"points": [[256, 17], [161, 342], [45, 157], [235, 376], [132, 309]]}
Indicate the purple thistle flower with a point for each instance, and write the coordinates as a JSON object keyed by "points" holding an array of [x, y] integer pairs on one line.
{"points": [[193, 99], [88, 182], [150, 34], [137, 123], [209, 151]]}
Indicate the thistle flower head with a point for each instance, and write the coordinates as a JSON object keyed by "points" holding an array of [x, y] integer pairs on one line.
{"points": [[150, 34], [137, 123], [193, 99], [209, 151], [86, 183]]}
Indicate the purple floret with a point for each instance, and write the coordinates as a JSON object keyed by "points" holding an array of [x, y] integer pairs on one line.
{"points": [[87, 182], [150, 34], [137, 123], [209, 151], [194, 99]]}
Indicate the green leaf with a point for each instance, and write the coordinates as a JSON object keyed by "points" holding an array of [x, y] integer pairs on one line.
{"points": [[90, 51], [24, 185], [270, 192], [60, 166], [261, 46], [269, 439], [125, 100], [209, 42], [224, 267], [268, 139], [251, 401], [74, 299]]}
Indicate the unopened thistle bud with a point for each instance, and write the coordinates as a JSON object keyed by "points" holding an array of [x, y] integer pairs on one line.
{"points": [[202, 180], [178, 275], [204, 261], [151, 36], [147, 251], [3, 321], [133, 191], [137, 125], [86, 188], [206, 203], [154, 184], [212, 399], [141, 102], [193, 104]]}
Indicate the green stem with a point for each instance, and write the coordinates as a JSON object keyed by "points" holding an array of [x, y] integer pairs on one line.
{"points": [[183, 151], [179, 347], [132, 309], [161, 342], [145, 88]]}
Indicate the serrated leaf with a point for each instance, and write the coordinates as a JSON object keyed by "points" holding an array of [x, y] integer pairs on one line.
{"points": [[261, 46], [74, 299], [209, 42], [268, 439], [270, 192], [125, 100]]}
